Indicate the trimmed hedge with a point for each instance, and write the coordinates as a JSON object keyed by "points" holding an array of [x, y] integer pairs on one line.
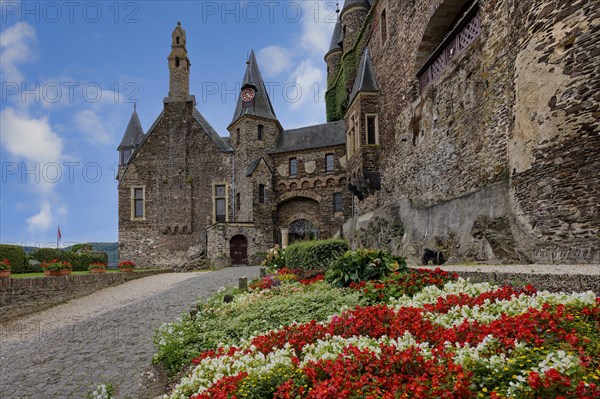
{"points": [[79, 261], [314, 257], [16, 256]]}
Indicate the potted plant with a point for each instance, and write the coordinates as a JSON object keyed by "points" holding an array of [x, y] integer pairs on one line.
{"points": [[126, 266], [97, 267], [4, 268], [56, 268]]}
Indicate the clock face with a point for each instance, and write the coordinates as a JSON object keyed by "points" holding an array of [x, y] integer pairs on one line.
{"points": [[247, 95]]}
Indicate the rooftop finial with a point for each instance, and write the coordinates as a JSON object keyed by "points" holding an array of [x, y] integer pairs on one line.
{"points": [[135, 106], [178, 23]]}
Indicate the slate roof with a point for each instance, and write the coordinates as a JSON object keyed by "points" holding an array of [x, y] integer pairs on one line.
{"points": [[349, 3], [337, 36], [365, 76], [254, 165], [212, 133], [134, 134], [262, 103], [325, 135]]}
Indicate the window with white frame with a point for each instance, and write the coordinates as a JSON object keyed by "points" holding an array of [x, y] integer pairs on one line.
{"points": [[372, 129], [220, 203], [138, 197]]}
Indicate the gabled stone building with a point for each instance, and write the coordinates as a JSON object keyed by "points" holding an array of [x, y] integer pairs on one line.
{"points": [[187, 192]]}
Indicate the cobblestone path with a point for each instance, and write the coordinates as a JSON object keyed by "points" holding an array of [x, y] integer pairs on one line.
{"points": [[61, 359]]}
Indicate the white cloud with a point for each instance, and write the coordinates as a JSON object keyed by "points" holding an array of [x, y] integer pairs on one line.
{"points": [[317, 28], [274, 59], [309, 78], [15, 49], [89, 124], [42, 220], [28, 138]]}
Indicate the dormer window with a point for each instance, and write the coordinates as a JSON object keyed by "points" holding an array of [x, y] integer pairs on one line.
{"points": [[125, 155]]}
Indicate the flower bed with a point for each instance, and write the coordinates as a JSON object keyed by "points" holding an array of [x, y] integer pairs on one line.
{"points": [[419, 335]]}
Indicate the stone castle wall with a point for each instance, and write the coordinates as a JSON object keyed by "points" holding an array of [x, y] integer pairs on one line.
{"points": [[517, 109]]}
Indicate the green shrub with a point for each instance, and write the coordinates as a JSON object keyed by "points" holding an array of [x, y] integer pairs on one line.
{"points": [[15, 255], [313, 257], [249, 314], [79, 261], [363, 265]]}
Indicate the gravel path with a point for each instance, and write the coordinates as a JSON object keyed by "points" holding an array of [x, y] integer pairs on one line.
{"points": [[64, 352]]}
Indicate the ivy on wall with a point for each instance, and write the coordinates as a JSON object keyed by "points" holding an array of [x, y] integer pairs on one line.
{"points": [[339, 90]]}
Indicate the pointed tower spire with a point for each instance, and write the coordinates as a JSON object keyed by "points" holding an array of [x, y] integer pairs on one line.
{"points": [[254, 99], [179, 66], [134, 134], [365, 76]]}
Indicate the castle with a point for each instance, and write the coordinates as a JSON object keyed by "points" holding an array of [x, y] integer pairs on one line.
{"points": [[468, 128]]}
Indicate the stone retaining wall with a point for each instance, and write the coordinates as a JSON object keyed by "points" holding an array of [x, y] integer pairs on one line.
{"points": [[550, 282], [22, 296]]}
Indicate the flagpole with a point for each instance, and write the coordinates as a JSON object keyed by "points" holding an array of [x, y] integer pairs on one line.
{"points": [[57, 237]]}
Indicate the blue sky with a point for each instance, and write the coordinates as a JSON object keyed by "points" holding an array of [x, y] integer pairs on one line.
{"points": [[71, 71]]}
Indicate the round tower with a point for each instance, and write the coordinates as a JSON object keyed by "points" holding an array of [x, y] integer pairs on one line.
{"points": [[334, 55], [353, 16]]}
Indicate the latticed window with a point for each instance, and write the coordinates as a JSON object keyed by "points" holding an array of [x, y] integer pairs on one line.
{"points": [[293, 166], [329, 165]]}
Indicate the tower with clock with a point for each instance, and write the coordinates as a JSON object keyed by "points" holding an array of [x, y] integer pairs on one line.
{"points": [[254, 130]]}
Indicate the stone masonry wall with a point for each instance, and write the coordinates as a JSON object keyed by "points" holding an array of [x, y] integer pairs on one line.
{"points": [[519, 106], [554, 148], [22, 296], [310, 192]]}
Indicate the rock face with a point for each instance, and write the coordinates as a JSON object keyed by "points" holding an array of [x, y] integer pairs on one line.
{"points": [[489, 145]]}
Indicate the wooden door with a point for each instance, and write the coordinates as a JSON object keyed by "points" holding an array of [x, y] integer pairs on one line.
{"points": [[239, 250]]}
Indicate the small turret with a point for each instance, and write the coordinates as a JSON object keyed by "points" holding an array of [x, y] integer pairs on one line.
{"points": [[353, 16], [179, 66], [334, 55], [134, 134]]}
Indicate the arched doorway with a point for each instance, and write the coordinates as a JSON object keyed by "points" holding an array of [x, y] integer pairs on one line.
{"points": [[238, 249], [302, 230]]}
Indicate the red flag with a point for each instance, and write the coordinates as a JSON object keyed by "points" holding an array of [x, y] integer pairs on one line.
{"points": [[59, 235]]}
